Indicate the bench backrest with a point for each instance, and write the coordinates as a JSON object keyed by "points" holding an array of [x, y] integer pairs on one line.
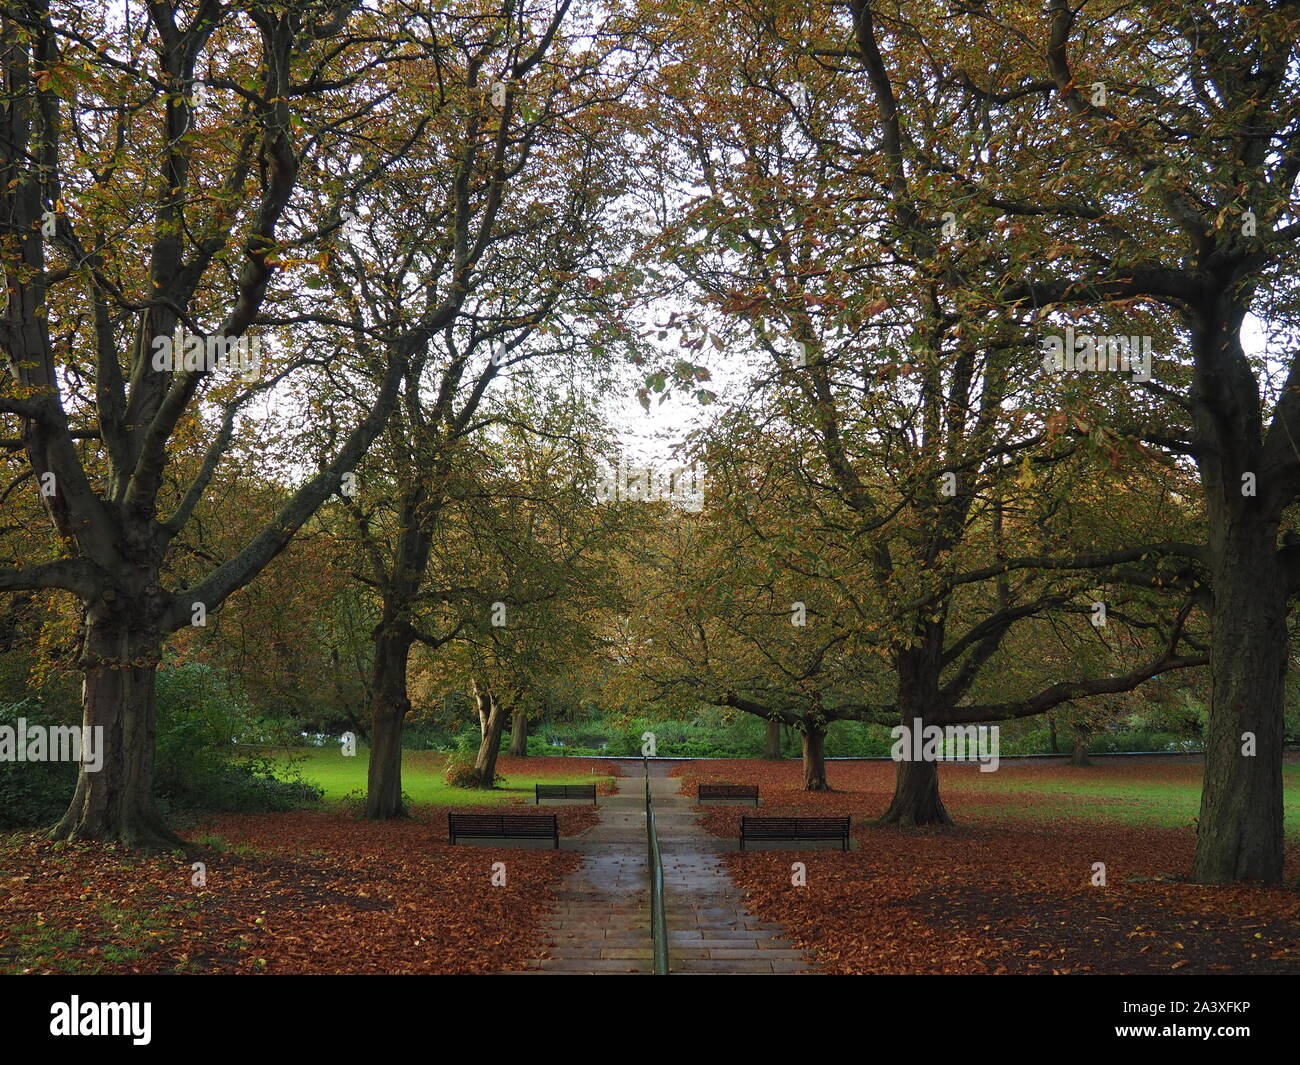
{"points": [[802, 826], [501, 824], [566, 791], [728, 791]]}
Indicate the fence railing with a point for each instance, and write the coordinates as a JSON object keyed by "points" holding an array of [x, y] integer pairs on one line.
{"points": [[658, 923]]}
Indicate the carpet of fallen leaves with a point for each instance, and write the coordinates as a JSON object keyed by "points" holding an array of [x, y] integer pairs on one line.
{"points": [[998, 894], [309, 891]]}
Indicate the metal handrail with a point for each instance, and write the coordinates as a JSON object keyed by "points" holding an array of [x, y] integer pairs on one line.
{"points": [[658, 922]]}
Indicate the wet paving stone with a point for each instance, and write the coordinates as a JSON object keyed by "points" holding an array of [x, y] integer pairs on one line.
{"points": [[601, 925]]}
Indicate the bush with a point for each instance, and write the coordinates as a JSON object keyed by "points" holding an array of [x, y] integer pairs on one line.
{"points": [[467, 742], [715, 734], [257, 785], [458, 771], [710, 734], [33, 793], [427, 736], [1141, 740], [195, 768]]}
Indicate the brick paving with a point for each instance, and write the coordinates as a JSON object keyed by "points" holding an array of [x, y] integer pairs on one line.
{"points": [[602, 921]]}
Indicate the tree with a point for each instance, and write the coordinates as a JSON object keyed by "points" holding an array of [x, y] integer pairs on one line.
{"points": [[907, 391], [154, 179], [526, 565], [1175, 198], [723, 624], [483, 261]]}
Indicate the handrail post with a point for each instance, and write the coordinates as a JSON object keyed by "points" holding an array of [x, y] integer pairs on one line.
{"points": [[658, 922]]}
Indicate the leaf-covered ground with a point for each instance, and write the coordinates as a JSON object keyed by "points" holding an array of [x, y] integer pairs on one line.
{"points": [[1008, 890], [310, 891]]}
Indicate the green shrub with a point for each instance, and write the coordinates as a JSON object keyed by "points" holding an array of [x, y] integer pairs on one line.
{"points": [[33, 793], [1142, 740], [458, 771], [195, 767], [427, 736]]}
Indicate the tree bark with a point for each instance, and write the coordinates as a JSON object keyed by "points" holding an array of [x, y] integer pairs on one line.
{"points": [[115, 804], [1079, 750], [485, 765], [916, 796], [519, 733], [391, 705], [772, 741], [1239, 834], [1051, 734], [814, 759]]}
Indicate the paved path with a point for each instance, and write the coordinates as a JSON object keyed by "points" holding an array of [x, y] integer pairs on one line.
{"points": [[602, 923]]}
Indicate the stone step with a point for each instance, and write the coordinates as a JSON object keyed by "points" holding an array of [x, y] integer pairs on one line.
{"points": [[600, 923]]}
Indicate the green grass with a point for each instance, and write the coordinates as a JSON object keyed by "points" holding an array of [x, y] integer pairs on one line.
{"points": [[421, 777], [44, 948], [124, 935], [1128, 800]]}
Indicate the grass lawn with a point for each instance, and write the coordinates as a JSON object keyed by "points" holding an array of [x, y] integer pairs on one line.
{"points": [[1130, 792], [1125, 791], [422, 775]]}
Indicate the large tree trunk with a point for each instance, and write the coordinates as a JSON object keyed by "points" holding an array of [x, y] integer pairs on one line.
{"points": [[519, 733], [772, 741], [916, 783], [391, 705], [393, 638], [485, 765], [916, 796], [814, 759], [1239, 835], [1079, 752], [115, 804]]}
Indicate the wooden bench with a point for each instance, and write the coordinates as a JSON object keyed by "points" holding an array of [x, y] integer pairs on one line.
{"points": [[504, 826], [565, 791], [728, 791], [783, 828]]}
